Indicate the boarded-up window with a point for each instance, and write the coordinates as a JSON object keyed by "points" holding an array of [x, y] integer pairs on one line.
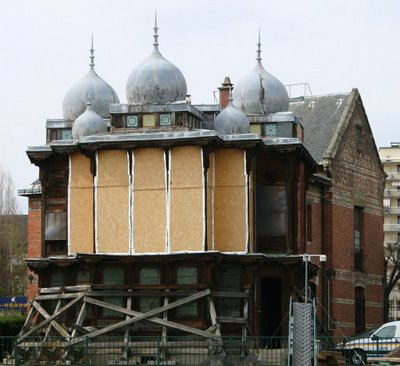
{"points": [[149, 276], [113, 276], [230, 282], [187, 276], [82, 278], [56, 279]]}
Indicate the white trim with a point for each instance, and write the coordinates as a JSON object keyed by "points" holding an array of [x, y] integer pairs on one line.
{"points": [[246, 195], [69, 206], [212, 204], [203, 192], [96, 178], [167, 199], [131, 201]]}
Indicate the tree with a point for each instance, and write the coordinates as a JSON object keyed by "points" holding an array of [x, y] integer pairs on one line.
{"points": [[12, 240], [391, 271]]}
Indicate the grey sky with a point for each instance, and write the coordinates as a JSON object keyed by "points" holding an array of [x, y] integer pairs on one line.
{"points": [[333, 45]]}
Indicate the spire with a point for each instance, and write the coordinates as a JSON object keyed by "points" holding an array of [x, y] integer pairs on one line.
{"points": [[155, 44], [92, 55], [259, 47]]}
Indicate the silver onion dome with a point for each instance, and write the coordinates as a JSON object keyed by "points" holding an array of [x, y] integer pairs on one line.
{"points": [[102, 95], [156, 80], [259, 92], [231, 120], [88, 123]]}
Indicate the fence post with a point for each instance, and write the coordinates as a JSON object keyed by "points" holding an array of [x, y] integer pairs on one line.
{"points": [[87, 350], [158, 351]]}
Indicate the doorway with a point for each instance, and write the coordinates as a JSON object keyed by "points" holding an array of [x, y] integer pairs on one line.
{"points": [[271, 307]]}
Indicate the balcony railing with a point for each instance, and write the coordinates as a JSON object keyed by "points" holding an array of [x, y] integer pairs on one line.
{"points": [[391, 210], [391, 227], [393, 176], [391, 193]]}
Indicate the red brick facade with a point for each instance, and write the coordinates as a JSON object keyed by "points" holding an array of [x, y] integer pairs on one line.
{"points": [[34, 241]]}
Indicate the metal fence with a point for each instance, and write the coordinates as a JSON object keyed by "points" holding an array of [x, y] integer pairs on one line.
{"points": [[114, 351]]}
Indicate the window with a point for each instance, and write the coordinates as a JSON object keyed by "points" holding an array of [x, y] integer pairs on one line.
{"points": [[82, 278], [398, 202], [398, 220], [359, 308], [149, 276], [187, 276], [387, 332], [398, 168], [309, 222], [358, 265], [113, 276], [230, 282]]}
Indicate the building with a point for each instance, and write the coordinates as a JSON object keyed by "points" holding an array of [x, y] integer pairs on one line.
{"points": [[338, 135], [203, 213], [390, 157]]}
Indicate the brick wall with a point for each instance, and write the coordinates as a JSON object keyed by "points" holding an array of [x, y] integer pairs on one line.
{"points": [[34, 241]]}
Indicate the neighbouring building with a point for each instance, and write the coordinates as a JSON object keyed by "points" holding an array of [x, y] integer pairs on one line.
{"points": [[160, 217], [390, 157], [338, 135]]}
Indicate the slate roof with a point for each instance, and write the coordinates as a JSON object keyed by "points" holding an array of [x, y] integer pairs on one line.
{"points": [[321, 116]]}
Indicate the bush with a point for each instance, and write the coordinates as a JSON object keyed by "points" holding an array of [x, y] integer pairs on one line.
{"points": [[10, 325]]}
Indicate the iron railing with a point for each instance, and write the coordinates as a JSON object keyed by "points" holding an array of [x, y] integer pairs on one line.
{"points": [[188, 351]]}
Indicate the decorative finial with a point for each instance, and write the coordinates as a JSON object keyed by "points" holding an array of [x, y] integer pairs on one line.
{"points": [[259, 47], [92, 55], [88, 104], [155, 44]]}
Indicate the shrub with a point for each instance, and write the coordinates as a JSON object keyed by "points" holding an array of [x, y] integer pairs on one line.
{"points": [[10, 325]]}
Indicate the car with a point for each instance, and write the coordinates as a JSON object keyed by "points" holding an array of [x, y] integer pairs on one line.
{"points": [[373, 343]]}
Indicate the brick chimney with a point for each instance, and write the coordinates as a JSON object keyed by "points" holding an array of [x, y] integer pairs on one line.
{"points": [[224, 91]]}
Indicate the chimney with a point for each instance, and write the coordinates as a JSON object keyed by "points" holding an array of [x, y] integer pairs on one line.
{"points": [[224, 91]]}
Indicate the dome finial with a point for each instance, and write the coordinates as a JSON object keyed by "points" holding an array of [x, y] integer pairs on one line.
{"points": [[92, 55], [88, 103], [259, 47], [155, 44]]}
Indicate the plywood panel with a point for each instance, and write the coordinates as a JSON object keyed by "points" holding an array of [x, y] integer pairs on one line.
{"points": [[186, 202], [112, 202], [149, 196], [230, 201], [80, 205]]}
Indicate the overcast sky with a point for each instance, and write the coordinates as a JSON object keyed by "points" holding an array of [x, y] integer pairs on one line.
{"points": [[334, 45]]}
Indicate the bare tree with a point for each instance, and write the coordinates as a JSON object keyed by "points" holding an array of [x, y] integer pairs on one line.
{"points": [[392, 271], [12, 240]]}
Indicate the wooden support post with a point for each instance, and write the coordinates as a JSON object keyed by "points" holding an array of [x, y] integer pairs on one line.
{"points": [[148, 316], [53, 323], [50, 318], [126, 332]]}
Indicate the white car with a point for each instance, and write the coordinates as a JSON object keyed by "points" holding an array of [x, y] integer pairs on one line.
{"points": [[372, 344]]}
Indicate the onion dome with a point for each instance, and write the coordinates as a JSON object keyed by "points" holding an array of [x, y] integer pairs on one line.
{"points": [[259, 92], [231, 120], [156, 80], [88, 123], [92, 84]]}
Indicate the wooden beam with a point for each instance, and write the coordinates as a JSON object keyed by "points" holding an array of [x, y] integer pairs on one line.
{"points": [[149, 314], [55, 296], [157, 320], [229, 294], [213, 316], [226, 319], [48, 320], [53, 323]]}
